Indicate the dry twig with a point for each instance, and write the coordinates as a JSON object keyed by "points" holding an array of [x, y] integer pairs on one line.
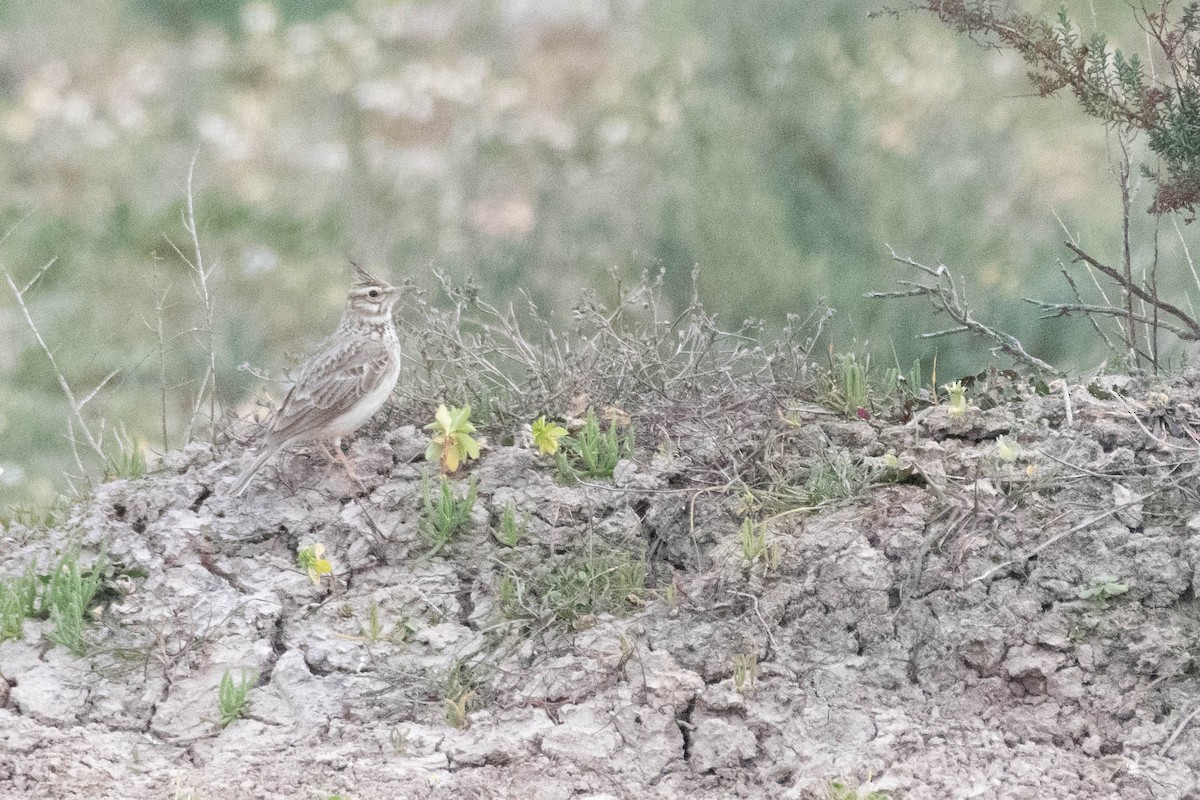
{"points": [[947, 297]]}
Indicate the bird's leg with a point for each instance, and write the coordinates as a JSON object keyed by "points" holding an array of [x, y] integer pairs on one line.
{"points": [[330, 461], [325, 451], [337, 449]]}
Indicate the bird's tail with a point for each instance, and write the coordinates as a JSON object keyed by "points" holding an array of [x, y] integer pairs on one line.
{"points": [[246, 475]]}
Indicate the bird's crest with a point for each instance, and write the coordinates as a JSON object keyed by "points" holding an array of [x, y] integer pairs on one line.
{"points": [[365, 278]]}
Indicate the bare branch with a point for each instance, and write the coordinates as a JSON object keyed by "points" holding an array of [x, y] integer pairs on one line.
{"points": [[1187, 253], [1192, 332], [946, 297], [201, 283], [1066, 309], [76, 406], [38, 276]]}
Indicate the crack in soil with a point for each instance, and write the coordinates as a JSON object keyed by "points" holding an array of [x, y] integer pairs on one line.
{"points": [[684, 720], [466, 605]]}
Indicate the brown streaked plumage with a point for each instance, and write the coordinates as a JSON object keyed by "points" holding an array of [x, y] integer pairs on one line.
{"points": [[343, 383]]}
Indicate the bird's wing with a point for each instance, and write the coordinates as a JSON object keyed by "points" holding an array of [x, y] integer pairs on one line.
{"points": [[330, 382]]}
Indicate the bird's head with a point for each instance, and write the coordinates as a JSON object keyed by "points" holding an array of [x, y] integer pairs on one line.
{"points": [[370, 297]]}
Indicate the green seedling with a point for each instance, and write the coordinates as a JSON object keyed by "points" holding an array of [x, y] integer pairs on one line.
{"points": [[451, 443], [18, 602], [446, 516], [128, 463], [573, 588], [312, 560], [183, 792], [1008, 449], [756, 549], [12, 615], [669, 594], [745, 673], [957, 406], [233, 699], [510, 592], [546, 435], [1103, 588], [840, 790], [835, 478], [592, 452], [854, 387], [36, 517], [459, 690], [374, 630], [68, 599], [511, 530], [915, 379]]}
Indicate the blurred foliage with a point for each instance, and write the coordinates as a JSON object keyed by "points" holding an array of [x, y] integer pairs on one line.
{"points": [[530, 143], [1108, 83]]}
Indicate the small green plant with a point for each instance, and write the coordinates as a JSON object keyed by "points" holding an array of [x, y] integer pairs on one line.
{"points": [[183, 792], [1103, 588], [36, 517], [510, 592], [446, 516], [669, 594], [128, 461], [12, 614], [757, 550], [913, 383], [745, 673], [68, 599], [835, 478], [374, 629], [853, 386], [511, 530], [458, 709], [312, 560], [18, 602], [841, 790], [451, 443], [1007, 449], [546, 435], [957, 406], [592, 452], [233, 699], [459, 690], [573, 587]]}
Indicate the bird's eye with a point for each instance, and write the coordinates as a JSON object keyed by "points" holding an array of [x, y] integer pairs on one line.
{"points": [[373, 293]]}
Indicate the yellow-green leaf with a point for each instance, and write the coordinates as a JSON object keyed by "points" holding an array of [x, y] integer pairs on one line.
{"points": [[468, 446], [546, 435], [450, 459], [312, 560]]}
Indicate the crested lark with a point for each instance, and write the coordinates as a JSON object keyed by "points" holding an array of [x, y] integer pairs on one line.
{"points": [[343, 383]]}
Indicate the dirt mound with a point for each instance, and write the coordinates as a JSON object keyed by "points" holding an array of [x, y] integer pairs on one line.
{"points": [[995, 605]]}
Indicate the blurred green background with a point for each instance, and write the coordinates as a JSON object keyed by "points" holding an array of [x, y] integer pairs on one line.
{"points": [[777, 145]]}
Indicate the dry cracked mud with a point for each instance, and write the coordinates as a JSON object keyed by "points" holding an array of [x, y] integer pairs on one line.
{"points": [[929, 619]]}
